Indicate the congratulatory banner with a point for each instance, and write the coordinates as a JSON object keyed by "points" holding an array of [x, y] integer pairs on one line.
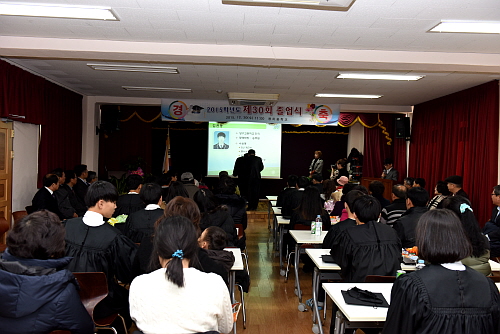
{"points": [[221, 111]]}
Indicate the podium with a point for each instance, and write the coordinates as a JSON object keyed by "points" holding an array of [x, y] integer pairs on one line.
{"points": [[365, 181]]}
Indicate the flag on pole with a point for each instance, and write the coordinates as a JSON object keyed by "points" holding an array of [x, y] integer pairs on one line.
{"points": [[166, 159]]}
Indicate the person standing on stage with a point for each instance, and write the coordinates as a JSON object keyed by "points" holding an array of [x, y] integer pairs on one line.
{"points": [[389, 172], [252, 166], [316, 166]]}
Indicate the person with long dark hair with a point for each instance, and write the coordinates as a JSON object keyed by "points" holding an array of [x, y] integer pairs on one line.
{"points": [[213, 214], [38, 295], [480, 256], [309, 208], [445, 296], [178, 298], [176, 188]]}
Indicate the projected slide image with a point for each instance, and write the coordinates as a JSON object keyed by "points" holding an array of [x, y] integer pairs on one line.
{"points": [[228, 141], [221, 140]]}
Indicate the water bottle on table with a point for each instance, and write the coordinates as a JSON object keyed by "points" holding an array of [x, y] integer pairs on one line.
{"points": [[319, 225]]}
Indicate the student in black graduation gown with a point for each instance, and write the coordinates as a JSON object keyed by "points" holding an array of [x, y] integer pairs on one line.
{"points": [[96, 246], [140, 224], [131, 202], [370, 247], [444, 297]]}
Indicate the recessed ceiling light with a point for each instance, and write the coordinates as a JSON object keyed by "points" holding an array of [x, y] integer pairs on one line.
{"points": [[482, 27], [350, 96], [58, 11], [159, 89], [338, 5], [134, 68], [373, 76]]}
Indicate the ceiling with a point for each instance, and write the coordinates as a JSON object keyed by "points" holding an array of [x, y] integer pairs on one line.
{"points": [[256, 49]]}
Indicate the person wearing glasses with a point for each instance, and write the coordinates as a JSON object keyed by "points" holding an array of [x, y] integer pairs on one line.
{"points": [[492, 227]]}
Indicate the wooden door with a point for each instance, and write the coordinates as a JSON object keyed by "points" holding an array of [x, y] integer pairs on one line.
{"points": [[6, 156]]}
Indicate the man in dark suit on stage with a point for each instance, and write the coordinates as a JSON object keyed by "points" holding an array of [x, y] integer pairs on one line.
{"points": [[389, 172], [45, 198], [221, 145], [81, 185]]}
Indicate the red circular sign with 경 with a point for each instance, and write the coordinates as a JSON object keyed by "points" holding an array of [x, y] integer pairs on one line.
{"points": [[323, 114], [177, 110]]}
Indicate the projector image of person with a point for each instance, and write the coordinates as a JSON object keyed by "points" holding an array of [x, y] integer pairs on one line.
{"points": [[221, 145]]}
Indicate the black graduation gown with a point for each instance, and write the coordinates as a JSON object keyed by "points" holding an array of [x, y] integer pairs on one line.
{"points": [[367, 249], [127, 204], [335, 231], [102, 249], [141, 224], [439, 300]]}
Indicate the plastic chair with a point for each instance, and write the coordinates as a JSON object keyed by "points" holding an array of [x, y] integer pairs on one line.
{"points": [[93, 289], [380, 279]]}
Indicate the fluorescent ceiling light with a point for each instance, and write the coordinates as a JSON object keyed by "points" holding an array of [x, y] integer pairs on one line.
{"points": [[338, 5], [159, 89], [134, 68], [373, 76], [59, 11], [482, 27], [351, 96]]}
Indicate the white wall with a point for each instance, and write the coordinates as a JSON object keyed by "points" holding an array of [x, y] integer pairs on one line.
{"points": [[25, 164]]}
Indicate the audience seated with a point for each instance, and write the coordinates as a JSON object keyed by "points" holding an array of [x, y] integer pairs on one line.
{"points": [[329, 187], [130, 202], [178, 206], [213, 214], [38, 296], [291, 199], [416, 203], [91, 177], [97, 246], [343, 225], [68, 205], [176, 189], [492, 227], [419, 182], [398, 206], [291, 186], [140, 224], [377, 189], [235, 204], [189, 183], [369, 248], [213, 239], [317, 181], [454, 183], [408, 182], [479, 259], [444, 297], [177, 298], [81, 186], [441, 192], [165, 180], [45, 199]]}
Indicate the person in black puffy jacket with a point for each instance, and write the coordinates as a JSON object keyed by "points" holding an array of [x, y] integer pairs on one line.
{"points": [[38, 296]]}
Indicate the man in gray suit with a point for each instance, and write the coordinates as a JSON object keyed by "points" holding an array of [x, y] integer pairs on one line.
{"points": [[389, 172]]}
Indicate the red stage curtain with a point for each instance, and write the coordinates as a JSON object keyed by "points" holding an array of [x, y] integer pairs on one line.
{"points": [[57, 109], [61, 140], [458, 135], [377, 148], [21, 93]]}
